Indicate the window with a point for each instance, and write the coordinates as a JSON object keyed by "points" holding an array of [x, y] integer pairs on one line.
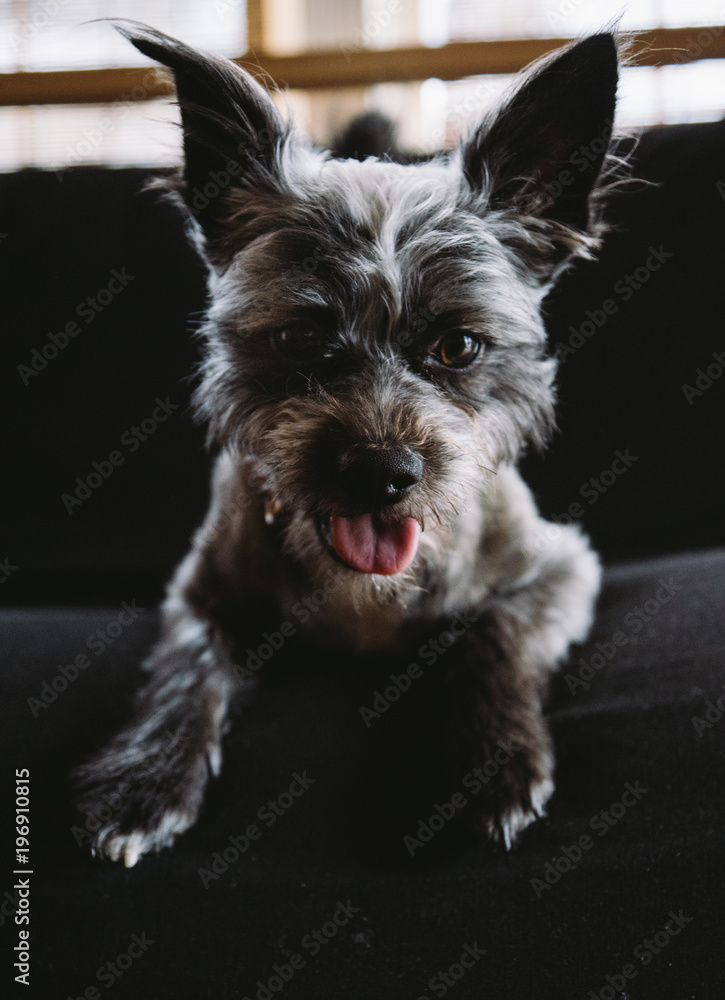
{"points": [[73, 92]]}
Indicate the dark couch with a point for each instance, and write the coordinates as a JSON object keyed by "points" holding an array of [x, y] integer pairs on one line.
{"points": [[617, 893]]}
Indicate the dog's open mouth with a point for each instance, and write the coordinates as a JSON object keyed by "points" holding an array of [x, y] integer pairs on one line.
{"points": [[370, 545], [364, 542]]}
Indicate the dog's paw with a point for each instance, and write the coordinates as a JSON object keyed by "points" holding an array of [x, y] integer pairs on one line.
{"points": [[134, 802], [130, 845], [503, 823], [508, 801]]}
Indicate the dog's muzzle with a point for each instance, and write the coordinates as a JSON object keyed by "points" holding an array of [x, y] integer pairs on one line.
{"points": [[379, 477], [376, 479]]}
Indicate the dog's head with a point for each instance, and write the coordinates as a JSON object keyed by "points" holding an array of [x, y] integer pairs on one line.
{"points": [[374, 342]]}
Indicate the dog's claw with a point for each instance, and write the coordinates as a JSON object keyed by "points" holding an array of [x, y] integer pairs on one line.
{"points": [[540, 795], [133, 850], [272, 508], [505, 827], [214, 760]]}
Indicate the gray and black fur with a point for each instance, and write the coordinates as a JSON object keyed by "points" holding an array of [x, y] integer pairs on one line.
{"points": [[374, 345]]}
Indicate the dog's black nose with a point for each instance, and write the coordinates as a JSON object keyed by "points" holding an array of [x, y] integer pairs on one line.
{"points": [[380, 477]]}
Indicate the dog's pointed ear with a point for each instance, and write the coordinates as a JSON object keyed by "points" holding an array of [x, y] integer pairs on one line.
{"points": [[542, 152], [233, 132]]}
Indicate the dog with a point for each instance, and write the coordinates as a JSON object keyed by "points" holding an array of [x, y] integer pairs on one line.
{"points": [[375, 363]]}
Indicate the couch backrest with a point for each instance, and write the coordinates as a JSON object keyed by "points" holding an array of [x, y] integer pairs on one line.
{"points": [[99, 290]]}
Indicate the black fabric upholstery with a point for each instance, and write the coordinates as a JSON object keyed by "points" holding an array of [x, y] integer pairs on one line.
{"points": [[623, 713], [414, 915], [621, 389]]}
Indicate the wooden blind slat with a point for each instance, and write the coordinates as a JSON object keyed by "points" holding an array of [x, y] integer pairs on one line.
{"points": [[351, 68]]}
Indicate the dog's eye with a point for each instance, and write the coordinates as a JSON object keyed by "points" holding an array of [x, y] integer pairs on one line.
{"points": [[299, 342], [457, 349]]}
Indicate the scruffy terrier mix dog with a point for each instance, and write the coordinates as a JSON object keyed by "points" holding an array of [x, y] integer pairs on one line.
{"points": [[369, 408]]}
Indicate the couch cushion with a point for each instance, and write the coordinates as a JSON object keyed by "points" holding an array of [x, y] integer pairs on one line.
{"points": [[638, 775]]}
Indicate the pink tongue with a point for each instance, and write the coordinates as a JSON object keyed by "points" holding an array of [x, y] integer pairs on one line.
{"points": [[373, 547]]}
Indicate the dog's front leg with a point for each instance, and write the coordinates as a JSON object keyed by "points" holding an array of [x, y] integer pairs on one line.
{"points": [[152, 776], [496, 677]]}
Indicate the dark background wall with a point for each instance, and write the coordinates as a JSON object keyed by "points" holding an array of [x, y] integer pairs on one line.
{"points": [[621, 376]]}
